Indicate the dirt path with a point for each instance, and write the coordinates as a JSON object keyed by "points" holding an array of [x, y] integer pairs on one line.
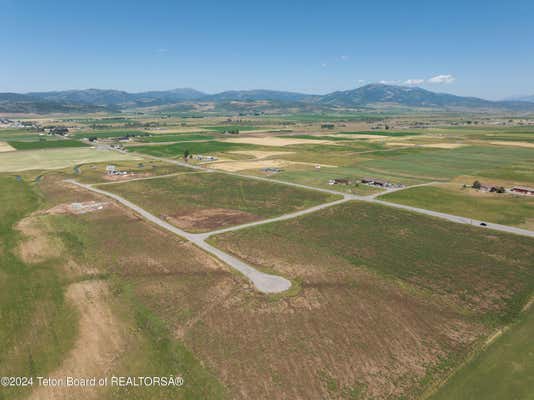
{"points": [[450, 217], [99, 342], [265, 283]]}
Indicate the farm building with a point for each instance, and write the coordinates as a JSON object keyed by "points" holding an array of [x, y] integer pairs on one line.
{"points": [[380, 183], [522, 190], [204, 158], [111, 169], [339, 182], [272, 170]]}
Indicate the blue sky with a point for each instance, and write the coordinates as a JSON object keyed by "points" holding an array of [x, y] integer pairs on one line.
{"points": [[479, 48]]}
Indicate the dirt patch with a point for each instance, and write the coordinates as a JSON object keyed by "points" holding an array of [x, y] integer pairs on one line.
{"points": [[5, 147], [261, 154], [277, 141], [78, 208], [100, 341], [210, 218], [443, 145], [517, 144], [37, 246], [130, 175], [233, 166]]}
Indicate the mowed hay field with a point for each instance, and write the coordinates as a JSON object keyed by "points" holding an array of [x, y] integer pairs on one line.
{"points": [[206, 201], [503, 209], [56, 158], [504, 371], [394, 300]]}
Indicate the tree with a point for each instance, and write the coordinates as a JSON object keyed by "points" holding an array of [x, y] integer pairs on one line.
{"points": [[186, 154], [476, 185]]}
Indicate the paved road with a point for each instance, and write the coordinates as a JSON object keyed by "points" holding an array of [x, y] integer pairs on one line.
{"points": [[458, 219], [265, 283], [372, 198]]}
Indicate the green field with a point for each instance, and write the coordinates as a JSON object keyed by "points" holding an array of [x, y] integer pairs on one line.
{"points": [[176, 137], [96, 172], [503, 371], [108, 133], [503, 209], [470, 160], [33, 311], [205, 201], [56, 158], [493, 284], [224, 128], [46, 144], [177, 150]]}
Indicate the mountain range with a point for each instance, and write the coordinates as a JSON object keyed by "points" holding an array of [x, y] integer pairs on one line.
{"points": [[368, 96]]}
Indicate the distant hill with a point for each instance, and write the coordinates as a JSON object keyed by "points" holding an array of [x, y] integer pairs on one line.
{"points": [[23, 103], [109, 97], [368, 97], [529, 99], [380, 94], [258, 95]]}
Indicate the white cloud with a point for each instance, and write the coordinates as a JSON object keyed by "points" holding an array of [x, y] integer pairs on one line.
{"points": [[442, 79], [414, 82], [324, 65], [343, 58], [162, 50], [383, 82]]}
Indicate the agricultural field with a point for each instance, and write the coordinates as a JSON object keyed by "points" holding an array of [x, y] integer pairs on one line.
{"points": [[205, 201], [383, 303], [139, 169], [15, 161], [504, 370], [65, 276], [505, 209], [343, 255], [46, 144]]}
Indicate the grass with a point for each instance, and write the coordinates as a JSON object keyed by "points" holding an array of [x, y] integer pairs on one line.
{"points": [[107, 133], [381, 133], [505, 370], [46, 144], [37, 327], [498, 208], [96, 172], [132, 268], [55, 158], [493, 284], [188, 195], [224, 128], [470, 160], [178, 149], [176, 138]]}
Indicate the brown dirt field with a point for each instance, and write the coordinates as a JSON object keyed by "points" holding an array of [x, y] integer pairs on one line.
{"points": [[114, 178], [355, 330], [5, 147], [38, 245], [78, 208], [210, 218], [517, 144], [233, 166], [276, 141], [100, 341]]}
